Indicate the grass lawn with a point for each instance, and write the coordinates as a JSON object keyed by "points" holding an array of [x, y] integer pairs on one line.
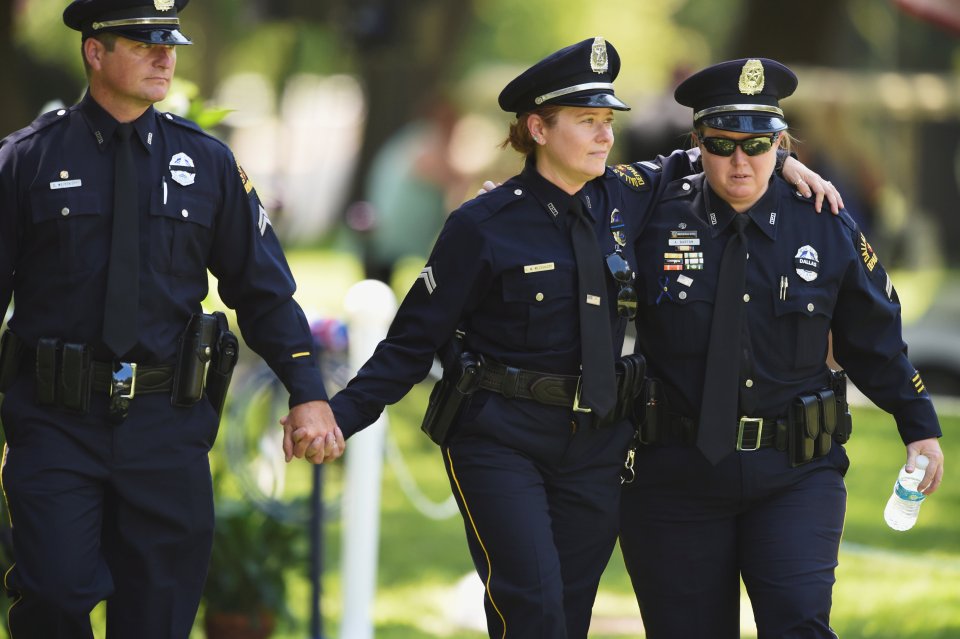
{"points": [[890, 585], [882, 574]]}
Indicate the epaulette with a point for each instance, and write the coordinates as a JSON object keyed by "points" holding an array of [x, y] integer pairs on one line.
{"points": [[187, 124], [631, 174], [797, 195], [685, 187], [847, 219], [42, 122], [498, 199]]}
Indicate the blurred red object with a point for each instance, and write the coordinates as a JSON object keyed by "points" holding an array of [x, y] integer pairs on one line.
{"points": [[943, 13]]}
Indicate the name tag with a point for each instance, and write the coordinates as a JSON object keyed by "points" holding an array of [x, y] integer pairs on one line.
{"points": [[65, 184], [683, 242], [536, 268]]}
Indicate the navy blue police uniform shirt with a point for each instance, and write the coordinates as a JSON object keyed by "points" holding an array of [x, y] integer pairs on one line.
{"points": [[503, 271], [807, 275], [198, 211]]}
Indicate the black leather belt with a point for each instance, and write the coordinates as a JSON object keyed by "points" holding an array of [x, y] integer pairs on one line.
{"points": [[546, 388], [148, 379], [751, 433]]}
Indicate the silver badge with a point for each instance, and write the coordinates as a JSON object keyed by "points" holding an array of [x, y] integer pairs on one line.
{"points": [[163, 5], [807, 263], [182, 170], [598, 56]]}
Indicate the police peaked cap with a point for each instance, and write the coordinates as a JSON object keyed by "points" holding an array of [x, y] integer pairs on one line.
{"points": [[739, 95], [579, 75], [153, 22]]}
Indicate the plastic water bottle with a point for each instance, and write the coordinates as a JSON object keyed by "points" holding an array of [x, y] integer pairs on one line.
{"points": [[904, 504]]}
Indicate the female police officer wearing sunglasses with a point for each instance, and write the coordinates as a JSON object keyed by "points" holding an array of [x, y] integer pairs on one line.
{"points": [[740, 288]]}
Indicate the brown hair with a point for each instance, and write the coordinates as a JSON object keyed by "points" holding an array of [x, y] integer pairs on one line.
{"points": [[519, 136]]}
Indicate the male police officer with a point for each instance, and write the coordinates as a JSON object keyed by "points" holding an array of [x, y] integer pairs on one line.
{"points": [[110, 215]]}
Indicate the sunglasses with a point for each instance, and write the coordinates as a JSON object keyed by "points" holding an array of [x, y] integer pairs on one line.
{"points": [[751, 146], [623, 274]]}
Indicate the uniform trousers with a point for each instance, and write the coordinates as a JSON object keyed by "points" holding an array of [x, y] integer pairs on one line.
{"points": [[102, 511], [539, 499], [690, 531]]}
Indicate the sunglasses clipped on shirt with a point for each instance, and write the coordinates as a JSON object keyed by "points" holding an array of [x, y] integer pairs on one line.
{"points": [[624, 275], [751, 146]]}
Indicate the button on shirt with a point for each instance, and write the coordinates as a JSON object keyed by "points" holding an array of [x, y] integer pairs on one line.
{"points": [[807, 275], [503, 270], [198, 211]]}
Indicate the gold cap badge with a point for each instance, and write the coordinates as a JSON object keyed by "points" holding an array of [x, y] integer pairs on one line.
{"points": [[163, 5], [751, 78], [598, 55]]}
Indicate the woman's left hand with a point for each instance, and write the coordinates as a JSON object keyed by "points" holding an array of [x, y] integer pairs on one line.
{"points": [[810, 184]]}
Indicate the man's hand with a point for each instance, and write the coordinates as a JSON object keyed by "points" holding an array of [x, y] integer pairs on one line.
{"points": [[809, 183], [311, 432]]}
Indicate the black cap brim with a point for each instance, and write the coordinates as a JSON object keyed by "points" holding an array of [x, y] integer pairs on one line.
{"points": [[600, 100], [152, 36], [744, 123]]}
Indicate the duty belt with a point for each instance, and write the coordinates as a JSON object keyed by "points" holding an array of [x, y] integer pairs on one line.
{"points": [[546, 388], [751, 433], [145, 379]]}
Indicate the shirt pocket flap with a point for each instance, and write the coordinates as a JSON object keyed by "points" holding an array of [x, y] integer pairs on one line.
{"points": [[185, 205], [673, 292], [542, 286], [63, 204], [806, 301]]}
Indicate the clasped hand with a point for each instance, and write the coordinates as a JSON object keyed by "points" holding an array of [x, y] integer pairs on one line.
{"points": [[310, 432]]}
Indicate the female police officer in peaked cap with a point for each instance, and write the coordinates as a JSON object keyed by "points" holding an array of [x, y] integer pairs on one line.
{"points": [[531, 460], [111, 215], [740, 288]]}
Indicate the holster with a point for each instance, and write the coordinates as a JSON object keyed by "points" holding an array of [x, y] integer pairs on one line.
{"points": [[631, 372], [452, 393], [649, 413], [194, 353], [223, 359], [11, 356], [838, 384]]}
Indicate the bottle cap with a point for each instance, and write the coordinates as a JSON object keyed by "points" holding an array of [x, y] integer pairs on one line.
{"points": [[922, 462]]}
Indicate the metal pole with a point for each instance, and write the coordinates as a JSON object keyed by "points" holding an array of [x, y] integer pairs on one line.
{"points": [[370, 307], [316, 552]]}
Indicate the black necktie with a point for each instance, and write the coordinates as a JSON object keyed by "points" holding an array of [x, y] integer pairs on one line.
{"points": [[718, 409], [598, 387], [123, 277]]}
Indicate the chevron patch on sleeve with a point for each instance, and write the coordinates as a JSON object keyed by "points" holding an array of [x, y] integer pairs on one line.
{"points": [[427, 276]]}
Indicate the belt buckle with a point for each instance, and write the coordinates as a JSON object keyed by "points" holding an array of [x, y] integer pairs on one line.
{"points": [[743, 422], [123, 388], [577, 408]]}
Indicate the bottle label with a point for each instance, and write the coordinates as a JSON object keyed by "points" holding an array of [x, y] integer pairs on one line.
{"points": [[908, 495]]}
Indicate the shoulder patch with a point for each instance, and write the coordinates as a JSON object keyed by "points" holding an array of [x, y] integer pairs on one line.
{"points": [[865, 251], [247, 184], [629, 175]]}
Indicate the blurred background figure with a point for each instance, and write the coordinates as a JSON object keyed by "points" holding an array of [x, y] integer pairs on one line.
{"points": [[411, 186]]}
